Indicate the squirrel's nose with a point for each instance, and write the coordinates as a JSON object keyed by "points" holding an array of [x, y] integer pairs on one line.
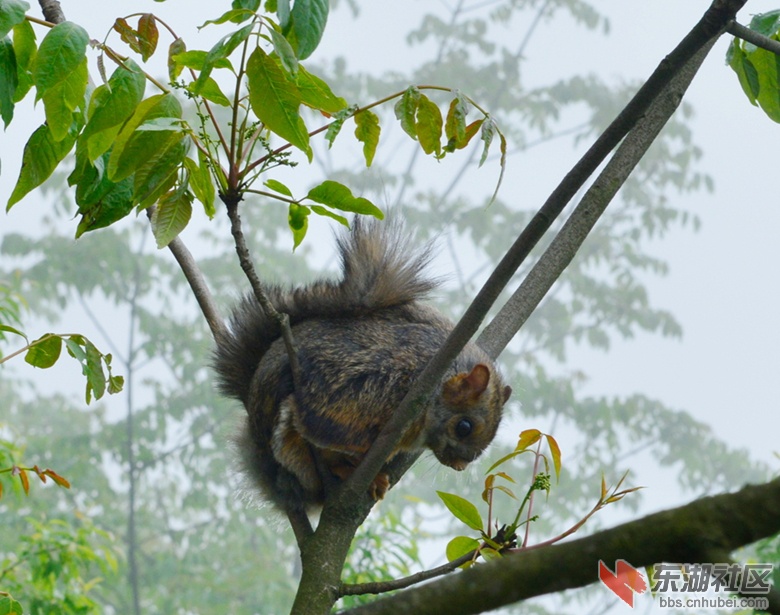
{"points": [[459, 464]]}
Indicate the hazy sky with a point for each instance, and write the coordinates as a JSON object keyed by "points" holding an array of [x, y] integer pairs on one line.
{"points": [[723, 286]]}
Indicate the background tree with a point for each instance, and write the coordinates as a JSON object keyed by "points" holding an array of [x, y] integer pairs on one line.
{"points": [[171, 446]]}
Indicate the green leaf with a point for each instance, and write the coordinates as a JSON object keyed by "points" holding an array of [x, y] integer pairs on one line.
{"points": [[459, 546], [429, 125], [406, 110], [746, 72], [234, 15], [283, 12], [322, 211], [115, 385], [44, 351], [367, 132], [315, 93], [9, 80], [201, 184], [767, 65], [74, 345], [767, 24], [462, 509], [93, 370], [101, 202], [61, 52], [25, 50], [12, 12], [61, 100], [133, 148], [305, 25], [298, 220], [211, 91], [220, 51], [111, 105], [115, 201], [284, 51], [279, 187], [10, 329], [276, 100], [171, 216], [196, 60], [157, 172], [489, 554], [338, 121], [252, 5], [9, 606], [338, 196], [41, 156]]}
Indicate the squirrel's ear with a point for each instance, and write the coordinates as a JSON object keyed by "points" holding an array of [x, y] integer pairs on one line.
{"points": [[507, 392], [463, 389]]}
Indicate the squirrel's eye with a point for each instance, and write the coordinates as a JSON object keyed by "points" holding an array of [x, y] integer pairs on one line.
{"points": [[463, 428]]}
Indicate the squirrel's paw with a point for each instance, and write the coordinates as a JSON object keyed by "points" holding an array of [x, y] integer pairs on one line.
{"points": [[379, 487]]}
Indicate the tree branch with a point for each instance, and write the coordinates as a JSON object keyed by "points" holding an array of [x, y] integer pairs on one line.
{"points": [[231, 203], [52, 11], [689, 534], [751, 36], [564, 247], [380, 587]]}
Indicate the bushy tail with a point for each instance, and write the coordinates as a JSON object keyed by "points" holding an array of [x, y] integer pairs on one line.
{"points": [[381, 271]]}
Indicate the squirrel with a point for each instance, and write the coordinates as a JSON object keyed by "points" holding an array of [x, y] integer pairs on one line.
{"points": [[362, 341]]}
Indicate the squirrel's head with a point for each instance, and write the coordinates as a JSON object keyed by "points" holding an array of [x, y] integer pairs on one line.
{"points": [[463, 420]]}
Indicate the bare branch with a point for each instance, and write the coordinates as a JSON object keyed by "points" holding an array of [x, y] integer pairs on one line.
{"points": [[231, 203], [564, 247], [381, 587], [751, 36]]}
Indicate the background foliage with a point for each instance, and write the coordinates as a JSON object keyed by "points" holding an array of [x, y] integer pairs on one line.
{"points": [[153, 504]]}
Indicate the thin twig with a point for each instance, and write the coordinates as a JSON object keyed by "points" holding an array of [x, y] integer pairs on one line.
{"points": [[244, 259], [381, 587]]}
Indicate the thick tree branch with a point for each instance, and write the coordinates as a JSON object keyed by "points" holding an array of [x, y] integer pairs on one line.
{"points": [[52, 11], [695, 533], [563, 248]]}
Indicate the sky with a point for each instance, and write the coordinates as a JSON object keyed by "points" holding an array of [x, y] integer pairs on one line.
{"points": [[723, 284]]}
